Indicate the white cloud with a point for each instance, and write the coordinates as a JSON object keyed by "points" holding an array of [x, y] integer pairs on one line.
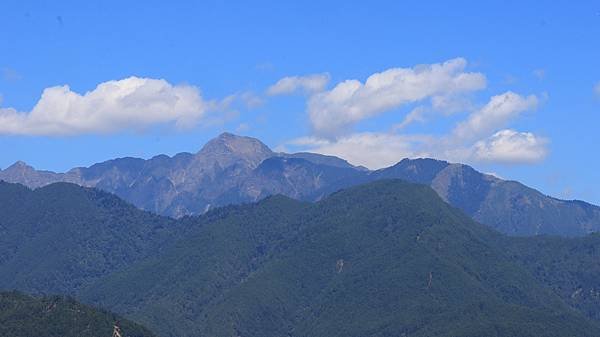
{"points": [[509, 146], [437, 88], [310, 84], [476, 139], [597, 89], [500, 110], [381, 149], [370, 149], [333, 112], [131, 103]]}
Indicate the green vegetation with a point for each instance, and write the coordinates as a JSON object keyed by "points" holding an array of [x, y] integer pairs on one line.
{"points": [[25, 316], [569, 266], [58, 238], [384, 259]]}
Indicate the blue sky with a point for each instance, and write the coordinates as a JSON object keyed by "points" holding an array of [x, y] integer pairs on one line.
{"points": [[509, 87]]}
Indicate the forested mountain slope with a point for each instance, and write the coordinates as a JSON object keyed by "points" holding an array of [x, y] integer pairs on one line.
{"points": [[383, 259], [58, 238], [56, 316]]}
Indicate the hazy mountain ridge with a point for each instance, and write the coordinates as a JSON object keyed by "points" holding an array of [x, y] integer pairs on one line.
{"points": [[231, 169]]}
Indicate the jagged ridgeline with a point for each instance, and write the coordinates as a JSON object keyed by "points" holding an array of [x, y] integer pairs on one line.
{"points": [[55, 316], [232, 169]]}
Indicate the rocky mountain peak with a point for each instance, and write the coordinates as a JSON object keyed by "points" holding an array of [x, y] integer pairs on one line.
{"points": [[22, 173], [19, 166], [228, 147]]}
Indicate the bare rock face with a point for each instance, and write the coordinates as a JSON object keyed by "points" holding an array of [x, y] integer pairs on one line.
{"points": [[228, 169], [24, 174], [232, 169], [228, 149]]}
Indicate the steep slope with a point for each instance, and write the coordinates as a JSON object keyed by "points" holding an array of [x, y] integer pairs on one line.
{"points": [[171, 291], [59, 238], [383, 259], [507, 206], [25, 316], [298, 178]]}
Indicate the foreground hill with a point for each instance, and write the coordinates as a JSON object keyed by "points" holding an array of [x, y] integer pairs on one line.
{"points": [[58, 238], [231, 169], [383, 259], [25, 316]]}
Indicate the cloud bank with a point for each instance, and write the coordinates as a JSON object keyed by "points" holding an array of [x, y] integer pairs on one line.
{"points": [[481, 137], [333, 113], [131, 103]]}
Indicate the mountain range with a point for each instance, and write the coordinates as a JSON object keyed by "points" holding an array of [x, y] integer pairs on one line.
{"points": [[232, 169], [386, 258]]}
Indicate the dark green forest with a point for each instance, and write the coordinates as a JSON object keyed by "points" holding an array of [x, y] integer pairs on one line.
{"points": [[388, 258], [58, 316]]}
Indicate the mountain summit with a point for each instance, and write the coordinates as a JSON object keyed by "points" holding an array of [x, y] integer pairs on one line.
{"points": [[228, 148]]}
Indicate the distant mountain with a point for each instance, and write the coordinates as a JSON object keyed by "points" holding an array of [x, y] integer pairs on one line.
{"points": [[55, 316], [507, 206], [231, 169], [383, 259], [59, 238]]}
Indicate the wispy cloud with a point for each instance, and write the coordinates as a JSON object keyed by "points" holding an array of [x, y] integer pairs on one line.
{"points": [[309, 84], [415, 115], [500, 110]]}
